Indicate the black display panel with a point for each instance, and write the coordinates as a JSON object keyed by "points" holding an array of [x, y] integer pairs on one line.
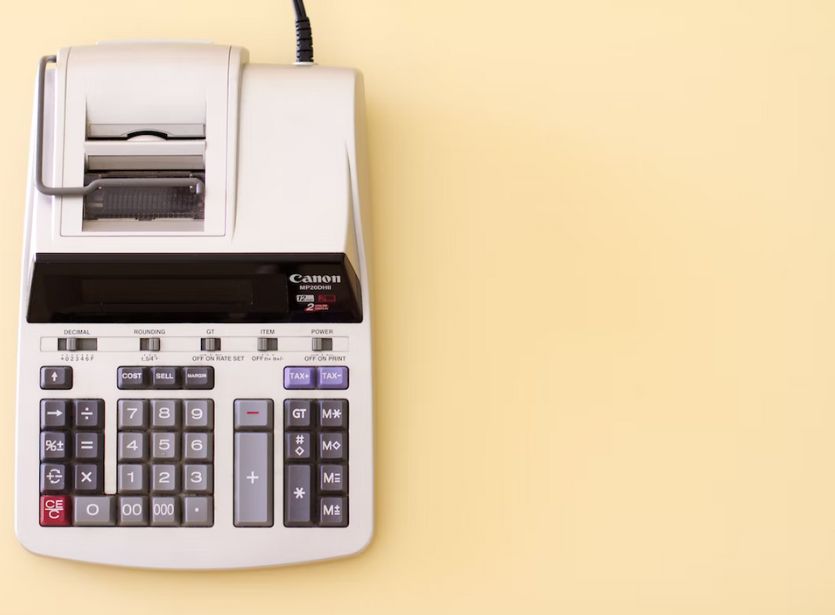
{"points": [[197, 288]]}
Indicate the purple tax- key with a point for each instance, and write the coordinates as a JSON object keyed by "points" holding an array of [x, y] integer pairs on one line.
{"points": [[334, 378]]}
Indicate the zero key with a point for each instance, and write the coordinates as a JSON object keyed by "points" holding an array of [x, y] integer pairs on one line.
{"points": [[56, 378]]}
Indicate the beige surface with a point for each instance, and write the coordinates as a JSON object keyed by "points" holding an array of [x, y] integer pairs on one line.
{"points": [[605, 305]]}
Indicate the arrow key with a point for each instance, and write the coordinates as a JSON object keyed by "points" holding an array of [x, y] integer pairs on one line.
{"points": [[56, 377], [55, 414]]}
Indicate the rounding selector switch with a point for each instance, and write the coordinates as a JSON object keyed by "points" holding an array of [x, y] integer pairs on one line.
{"points": [[210, 344], [149, 344]]}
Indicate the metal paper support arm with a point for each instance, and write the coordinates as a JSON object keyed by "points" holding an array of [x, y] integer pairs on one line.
{"points": [[194, 183]]}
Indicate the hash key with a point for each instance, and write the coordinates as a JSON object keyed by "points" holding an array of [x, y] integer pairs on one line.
{"points": [[296, 446]]}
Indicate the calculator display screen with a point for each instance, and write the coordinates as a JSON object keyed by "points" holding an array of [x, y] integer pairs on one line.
{"points": [[212, 288]]}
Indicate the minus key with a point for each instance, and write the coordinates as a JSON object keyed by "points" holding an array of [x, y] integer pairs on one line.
{"points": [[253, 414]]}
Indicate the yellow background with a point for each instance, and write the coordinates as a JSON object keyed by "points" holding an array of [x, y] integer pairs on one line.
{"points": [[604, 305]]}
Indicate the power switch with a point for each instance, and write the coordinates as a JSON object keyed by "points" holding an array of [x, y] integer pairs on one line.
{"points": [[322, 344], [210, 344]]}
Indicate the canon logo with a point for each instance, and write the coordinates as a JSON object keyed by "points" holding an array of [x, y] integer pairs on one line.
{"points": [[298, 278]]}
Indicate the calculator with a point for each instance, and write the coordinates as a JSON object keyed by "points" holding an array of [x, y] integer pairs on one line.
{"points": [[194, 368]]}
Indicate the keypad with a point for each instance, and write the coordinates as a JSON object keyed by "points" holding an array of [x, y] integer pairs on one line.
{"points": [[164, 451], [72, 455], [316, 462], [166, 454]]}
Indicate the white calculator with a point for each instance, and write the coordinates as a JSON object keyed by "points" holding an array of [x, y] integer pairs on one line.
{"points": [[194, 386]]}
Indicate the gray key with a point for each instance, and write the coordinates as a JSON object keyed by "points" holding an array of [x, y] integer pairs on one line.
{"points": [[94, 510], [132, 511], [165, 511], [296, 446], [297, 496], [297, 413], [333, 512], [198, 511], [54, 446], [55, 413], [198, 413], [256, 414], [132, 378], [87, 478], [253, 497], [165, 414], [132, 478], [198, 377], [332, 479], [132, 446], [56, 377], [165, 478], [197, 478], [333, 413], [165, 446], [89, 413], [165, 378], [53, 478], [88, 445], [197, 447], [133, 414], [331, 446]]}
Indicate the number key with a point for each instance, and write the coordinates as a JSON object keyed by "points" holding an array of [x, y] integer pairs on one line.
{"points": [[197, 447], [198, 413], [132, 447], [133, 414], [164, 478], [132, 478], [165, 414], [197, 478], [165, 512], [165, 446], [133, 511]]}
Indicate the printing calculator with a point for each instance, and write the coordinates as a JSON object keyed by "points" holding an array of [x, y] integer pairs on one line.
{"points": [[194, 386]]}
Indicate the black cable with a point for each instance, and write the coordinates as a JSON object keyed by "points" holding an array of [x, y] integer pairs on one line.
{"points": [[304, 35]]}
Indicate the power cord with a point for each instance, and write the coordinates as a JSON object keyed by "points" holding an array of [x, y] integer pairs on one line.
{"points": [[304, 35]]}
